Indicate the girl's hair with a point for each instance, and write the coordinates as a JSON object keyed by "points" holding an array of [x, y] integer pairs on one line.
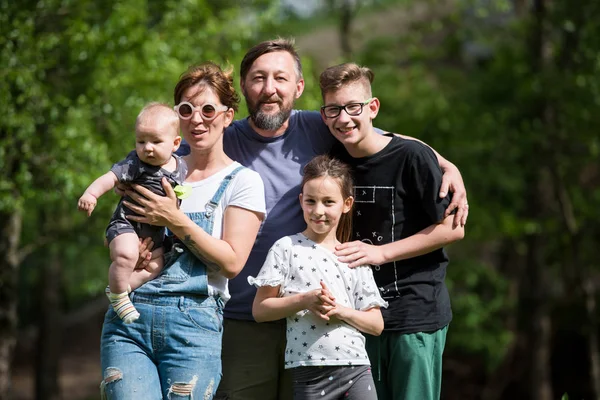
{"points": [[323, 166], [209, 75]]}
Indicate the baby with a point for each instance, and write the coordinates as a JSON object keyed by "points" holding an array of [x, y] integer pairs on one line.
{"points": [[157, 138]]}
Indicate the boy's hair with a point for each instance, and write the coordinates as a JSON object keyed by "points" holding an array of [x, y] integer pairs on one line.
{"points": [[333, 78], [209, 75], [162, 111], [271, 46], [323, 166]]}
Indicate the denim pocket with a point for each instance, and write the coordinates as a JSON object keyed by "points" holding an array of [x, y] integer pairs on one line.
{"points": [[178, 266], [205, 318]]}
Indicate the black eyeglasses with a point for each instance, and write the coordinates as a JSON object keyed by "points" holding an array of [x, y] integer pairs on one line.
{"points": [[352, 109]]}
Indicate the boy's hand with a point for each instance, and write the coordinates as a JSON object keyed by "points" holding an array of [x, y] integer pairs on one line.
{"points": [[359, 253], [87, 203], [452, 180]]}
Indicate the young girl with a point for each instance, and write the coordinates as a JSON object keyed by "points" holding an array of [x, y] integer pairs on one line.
{"points": [[326, 303]]}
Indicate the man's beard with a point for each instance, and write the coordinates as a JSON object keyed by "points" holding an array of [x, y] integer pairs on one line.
{"points": [[266, 121]]}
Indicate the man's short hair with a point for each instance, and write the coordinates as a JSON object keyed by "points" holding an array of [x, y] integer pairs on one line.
{"points": [[271, 46], [340, 75]]}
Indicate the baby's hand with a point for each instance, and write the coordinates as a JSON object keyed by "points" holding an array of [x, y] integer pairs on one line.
{"points": [[87, 203]]}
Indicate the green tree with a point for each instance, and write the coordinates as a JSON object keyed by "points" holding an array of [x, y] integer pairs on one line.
{"points": [[507, 90], [75, 73]]}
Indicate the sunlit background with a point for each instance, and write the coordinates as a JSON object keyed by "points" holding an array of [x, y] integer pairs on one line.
{"points": [[508, 90]]}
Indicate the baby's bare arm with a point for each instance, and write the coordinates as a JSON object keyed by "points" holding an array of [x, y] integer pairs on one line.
{"points": [[87, 202]]}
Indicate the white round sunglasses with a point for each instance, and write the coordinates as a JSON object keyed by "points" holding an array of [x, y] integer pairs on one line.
{"points": [[208, 111]]}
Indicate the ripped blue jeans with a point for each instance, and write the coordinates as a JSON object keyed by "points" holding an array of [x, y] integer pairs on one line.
{"points": [[172, 352]]}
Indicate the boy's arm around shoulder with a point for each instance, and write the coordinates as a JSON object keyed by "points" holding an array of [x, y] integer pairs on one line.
{"points": [[87, 202], [433, 237], [439, 234]]}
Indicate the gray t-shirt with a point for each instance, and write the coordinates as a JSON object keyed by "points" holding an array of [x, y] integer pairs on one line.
{"points": [[279, 161]]}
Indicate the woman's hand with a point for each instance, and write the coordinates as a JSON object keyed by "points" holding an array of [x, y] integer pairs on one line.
{"points": [[145, 250], [152, 208]]}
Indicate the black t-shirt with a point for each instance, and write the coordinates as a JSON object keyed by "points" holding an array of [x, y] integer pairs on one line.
{"points": [[396, 196]]}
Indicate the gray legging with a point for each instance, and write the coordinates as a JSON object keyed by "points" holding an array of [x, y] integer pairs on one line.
{"points": [[334, 383]]}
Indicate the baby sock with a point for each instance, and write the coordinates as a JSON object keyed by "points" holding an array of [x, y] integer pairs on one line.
{"points": [[123, 306]]}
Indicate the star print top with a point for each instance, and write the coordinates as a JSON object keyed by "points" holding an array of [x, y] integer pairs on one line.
{"points": [[297, 264]]}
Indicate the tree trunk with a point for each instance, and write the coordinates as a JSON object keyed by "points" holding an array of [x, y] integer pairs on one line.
{"points": [[538, 326], [536, 318], [50, 331], [9, 264], [589, 288], [511, 368], [346, 15]]}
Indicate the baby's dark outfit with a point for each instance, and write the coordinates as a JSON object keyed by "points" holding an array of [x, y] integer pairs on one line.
{"points": [[133, 170]]}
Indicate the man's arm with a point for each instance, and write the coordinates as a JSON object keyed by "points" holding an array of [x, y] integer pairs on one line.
{"points": [[433, 237]]}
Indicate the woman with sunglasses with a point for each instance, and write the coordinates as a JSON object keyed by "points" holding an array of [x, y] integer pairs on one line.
{"points": [[175, 346]]}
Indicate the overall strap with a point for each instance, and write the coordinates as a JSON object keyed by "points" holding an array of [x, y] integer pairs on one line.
{"points": [[212, 204]]}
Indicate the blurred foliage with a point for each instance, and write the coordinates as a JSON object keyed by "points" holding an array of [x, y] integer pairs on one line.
{"points": [[76, 74], [470, 85], [518, 124]]}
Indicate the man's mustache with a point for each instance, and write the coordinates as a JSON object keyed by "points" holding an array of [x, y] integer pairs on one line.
{"points": [[272, 99]]}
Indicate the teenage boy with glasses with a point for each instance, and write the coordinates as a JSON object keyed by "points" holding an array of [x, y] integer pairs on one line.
{"points": [[276, 141], [400, 227]]}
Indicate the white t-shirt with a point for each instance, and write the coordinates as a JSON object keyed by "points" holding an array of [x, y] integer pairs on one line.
{"points": [[245, 190], [297, 264]]}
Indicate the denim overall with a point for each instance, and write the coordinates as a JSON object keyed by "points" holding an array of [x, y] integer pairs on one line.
{"points": [[173, 351]]}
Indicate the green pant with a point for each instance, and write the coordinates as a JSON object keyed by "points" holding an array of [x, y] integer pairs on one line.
{"points": [[407, 366]]}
